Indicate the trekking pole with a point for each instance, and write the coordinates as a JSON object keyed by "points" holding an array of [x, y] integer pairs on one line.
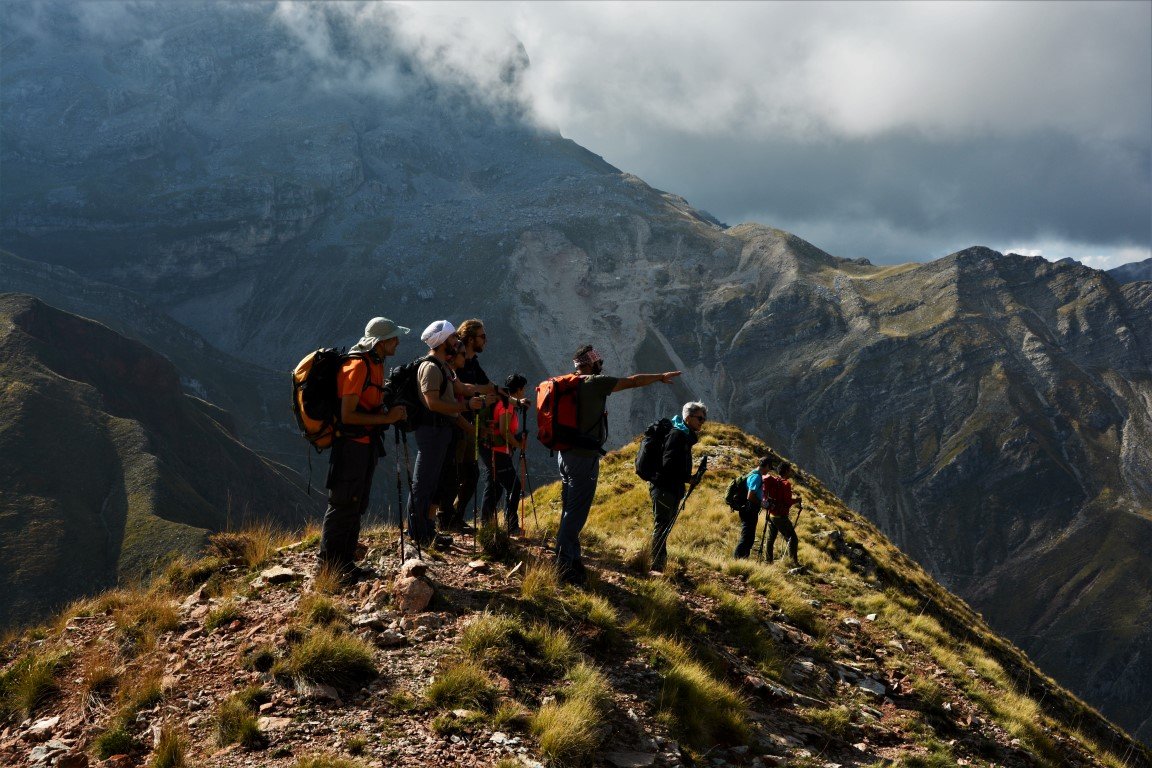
{"points": [[476, 493], [763, 534], [399, 493], [408, 470], [696, 478], [523, 436]]}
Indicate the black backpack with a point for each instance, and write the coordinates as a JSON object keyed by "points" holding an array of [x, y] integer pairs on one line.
{"points": [[737, 495], [650, 457], [403, 389]]}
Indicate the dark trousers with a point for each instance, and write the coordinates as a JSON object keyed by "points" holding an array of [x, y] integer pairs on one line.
{"points": [[467, 473], [349, 484], [749, 516], [507, 482], [492, 488], [664, 504], [578, 477], [782, 525], [431, 448]]}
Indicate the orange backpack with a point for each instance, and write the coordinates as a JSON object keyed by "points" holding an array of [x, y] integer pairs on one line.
{"points": [[558, 414]]}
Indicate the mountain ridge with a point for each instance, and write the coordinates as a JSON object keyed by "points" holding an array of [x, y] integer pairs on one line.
{"points": [[979, 408], [859, 659], [108, 464]]}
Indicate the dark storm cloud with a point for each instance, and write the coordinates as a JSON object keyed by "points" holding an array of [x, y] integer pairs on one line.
{"points": [[990, 189]]}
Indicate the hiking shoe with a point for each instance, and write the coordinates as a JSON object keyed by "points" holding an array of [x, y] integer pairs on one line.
{"points": [[573, 574], [355, 574], [442, 541]]}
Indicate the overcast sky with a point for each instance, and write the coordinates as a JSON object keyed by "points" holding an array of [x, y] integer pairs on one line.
{"points": [[894, 131]]}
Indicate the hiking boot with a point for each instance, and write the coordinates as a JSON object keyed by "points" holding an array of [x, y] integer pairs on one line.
{"points": [[573, 573], [442, 541], [355, 574]]}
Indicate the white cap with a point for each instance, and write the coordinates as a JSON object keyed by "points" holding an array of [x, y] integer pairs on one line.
{"points": [[436, 333]]}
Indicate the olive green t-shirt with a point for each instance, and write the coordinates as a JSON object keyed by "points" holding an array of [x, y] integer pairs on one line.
{"points": [[593, 398]]}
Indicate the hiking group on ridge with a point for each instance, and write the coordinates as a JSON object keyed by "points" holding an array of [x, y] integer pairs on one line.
{"points": [[462, 422]]}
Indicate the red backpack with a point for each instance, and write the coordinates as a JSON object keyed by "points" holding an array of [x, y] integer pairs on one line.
{"points": [[558, 414]]}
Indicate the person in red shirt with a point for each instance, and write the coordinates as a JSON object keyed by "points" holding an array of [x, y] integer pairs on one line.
{"points": [[357, 446], [503, 438], [778, 501]]}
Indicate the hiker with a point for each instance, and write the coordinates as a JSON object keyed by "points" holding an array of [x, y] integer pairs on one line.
{"points": [[358, 444], [442, 503], [438, 393], [667, 489], [503, 438], [473, 339], [580, 465], [778, 501], [750, 512]]}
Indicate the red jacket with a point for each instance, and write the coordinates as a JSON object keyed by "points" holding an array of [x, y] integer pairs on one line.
{"points": [[777, 494]]}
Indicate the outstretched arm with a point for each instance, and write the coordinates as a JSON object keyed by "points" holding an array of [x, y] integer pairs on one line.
{"points": [[644, 379]]}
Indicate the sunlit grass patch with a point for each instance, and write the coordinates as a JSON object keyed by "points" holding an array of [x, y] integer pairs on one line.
{"points": [[183, 574], [171, 750], [464, 684], [657, 606], [235, 723], [343, 661], [143, 616], [222, 615], [31, 681], [318, 609], [700, 709], [570, 731], [253, 546], [835, 723]]}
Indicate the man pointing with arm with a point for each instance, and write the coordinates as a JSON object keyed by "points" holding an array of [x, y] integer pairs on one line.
{"points": [[580, 467]]}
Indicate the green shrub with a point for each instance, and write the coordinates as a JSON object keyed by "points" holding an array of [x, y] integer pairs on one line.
{"points": [[114, 741], [324, 657]]}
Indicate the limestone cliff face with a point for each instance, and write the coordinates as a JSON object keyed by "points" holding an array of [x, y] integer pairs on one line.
{"points": [[989, 411]]}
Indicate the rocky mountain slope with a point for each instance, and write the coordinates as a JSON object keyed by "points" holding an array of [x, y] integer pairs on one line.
{"points": [[477, 657], [1130, 273], [107, 465], [990, 412]]}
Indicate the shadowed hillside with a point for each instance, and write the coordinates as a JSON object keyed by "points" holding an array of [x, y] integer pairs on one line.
{"points": [[107, 465]]}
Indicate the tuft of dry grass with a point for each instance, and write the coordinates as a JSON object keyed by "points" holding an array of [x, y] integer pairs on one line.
{"points": [[30, 682], [317, 609], [464, 684], [541, 583], [701, 710], [343, 661], [171, 750], [222, 615], [142, 616], [570, 731], [253, 546]]}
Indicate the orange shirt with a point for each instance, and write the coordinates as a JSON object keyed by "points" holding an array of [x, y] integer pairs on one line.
{"points": [[353, 375]]}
